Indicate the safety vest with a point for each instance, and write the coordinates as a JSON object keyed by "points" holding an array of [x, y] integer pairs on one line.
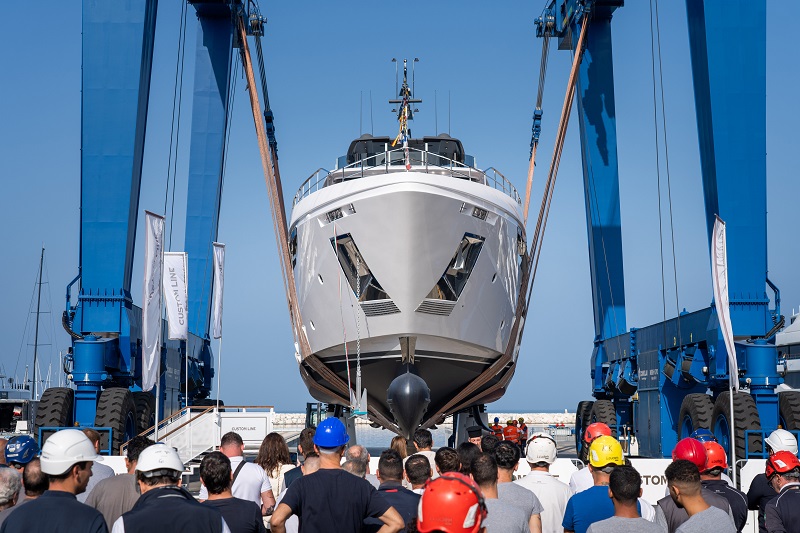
{"points": [[523, 433], [498, 431], [510, 433]]}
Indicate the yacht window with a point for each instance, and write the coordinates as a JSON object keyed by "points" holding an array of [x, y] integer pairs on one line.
{"points": [[293, 246], [477, 212], [452, 283], [336, 214], [351, 261]]}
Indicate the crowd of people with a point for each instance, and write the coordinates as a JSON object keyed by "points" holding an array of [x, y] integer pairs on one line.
{"points": [[471, 488]]}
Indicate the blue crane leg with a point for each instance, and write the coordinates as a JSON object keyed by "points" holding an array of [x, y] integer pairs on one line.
{"points": [[595, 95], [728, 49], [209, 113], [206, 161], [117, 58], [117, 54]]}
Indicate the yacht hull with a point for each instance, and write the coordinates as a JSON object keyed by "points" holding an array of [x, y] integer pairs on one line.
{"points": [[403, 233]]}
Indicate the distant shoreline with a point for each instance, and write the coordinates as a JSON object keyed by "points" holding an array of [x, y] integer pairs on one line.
{"points": [[539, 419]]}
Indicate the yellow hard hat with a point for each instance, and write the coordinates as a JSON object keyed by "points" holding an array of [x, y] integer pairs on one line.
{"points": [[605, 451], [510, 422], [521, 419]]}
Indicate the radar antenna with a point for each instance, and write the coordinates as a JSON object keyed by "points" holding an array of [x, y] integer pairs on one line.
{"points": [[405, 111]]}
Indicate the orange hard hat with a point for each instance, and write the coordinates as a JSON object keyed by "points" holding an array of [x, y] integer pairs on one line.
{"points": [[715, 456], [691, 450], [598, 429], [451, 503]]}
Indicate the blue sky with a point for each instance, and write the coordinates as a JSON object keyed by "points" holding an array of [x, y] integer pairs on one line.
{"points": [[320, 56]]}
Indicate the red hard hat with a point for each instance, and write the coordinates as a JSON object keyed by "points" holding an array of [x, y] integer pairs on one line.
{"points": [[691, 450], [451, 503], [780, 463], [598, 429], [715, 456]]}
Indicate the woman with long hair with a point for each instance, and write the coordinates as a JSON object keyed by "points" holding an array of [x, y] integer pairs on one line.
{"points": [[273, 457], [400, 445]]}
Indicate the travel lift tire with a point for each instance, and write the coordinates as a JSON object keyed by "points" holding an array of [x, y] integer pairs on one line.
{"points": [[117, 410], [582, 414], [603, 411], [789, 402], [746, 417], [145, 404], [55, 410], [696, 412]]}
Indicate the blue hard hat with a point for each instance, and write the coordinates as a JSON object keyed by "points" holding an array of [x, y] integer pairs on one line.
{"points": [[496, 419], [331, 433], [703, 435], [21, 449]]}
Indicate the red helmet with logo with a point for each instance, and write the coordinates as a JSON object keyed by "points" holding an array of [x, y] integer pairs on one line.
{"points": [[598, 429], [451, 503], [780, 463], [715, 456], [691, 450]]}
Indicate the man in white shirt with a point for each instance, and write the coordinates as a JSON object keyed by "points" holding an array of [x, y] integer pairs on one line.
{"points": [[250, 481], [582, 479], [423, 442], [552, 493]]}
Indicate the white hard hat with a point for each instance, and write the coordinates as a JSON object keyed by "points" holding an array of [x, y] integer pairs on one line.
{"points": [[157, 458], [541, 449], [64, 449], [781, 440]]}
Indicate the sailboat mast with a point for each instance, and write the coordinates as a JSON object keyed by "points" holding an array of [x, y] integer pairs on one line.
{"points": [[36, 334]]}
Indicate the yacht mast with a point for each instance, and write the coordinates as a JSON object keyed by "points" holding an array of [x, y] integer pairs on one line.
{"points": [[36, 334]]}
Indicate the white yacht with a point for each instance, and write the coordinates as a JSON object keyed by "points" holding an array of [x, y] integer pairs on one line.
{"points": [[408, 262]]}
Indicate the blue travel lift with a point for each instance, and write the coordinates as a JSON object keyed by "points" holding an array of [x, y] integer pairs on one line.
{"points": [[659, 383], [105, 360]]}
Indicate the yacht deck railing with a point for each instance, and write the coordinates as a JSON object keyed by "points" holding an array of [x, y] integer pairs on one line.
{"points": [[394, 161]]}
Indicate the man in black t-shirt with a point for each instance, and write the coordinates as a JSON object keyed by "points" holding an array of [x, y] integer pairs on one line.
{"points": [[242, 516], [332, 498], [305, 445]]}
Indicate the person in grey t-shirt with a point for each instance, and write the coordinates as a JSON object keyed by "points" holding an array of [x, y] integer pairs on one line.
{"points": [[502, 517], [507, 456], [99, 470], [683, 480], [625, 489], [712, 519]]}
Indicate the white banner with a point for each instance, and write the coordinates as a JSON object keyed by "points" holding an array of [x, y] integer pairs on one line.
{"points": [[719, 271], [219, 278], [151, 300], [176, 294]]}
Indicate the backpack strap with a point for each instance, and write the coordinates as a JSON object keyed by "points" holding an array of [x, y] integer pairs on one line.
{"points": [[238, 469]]}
